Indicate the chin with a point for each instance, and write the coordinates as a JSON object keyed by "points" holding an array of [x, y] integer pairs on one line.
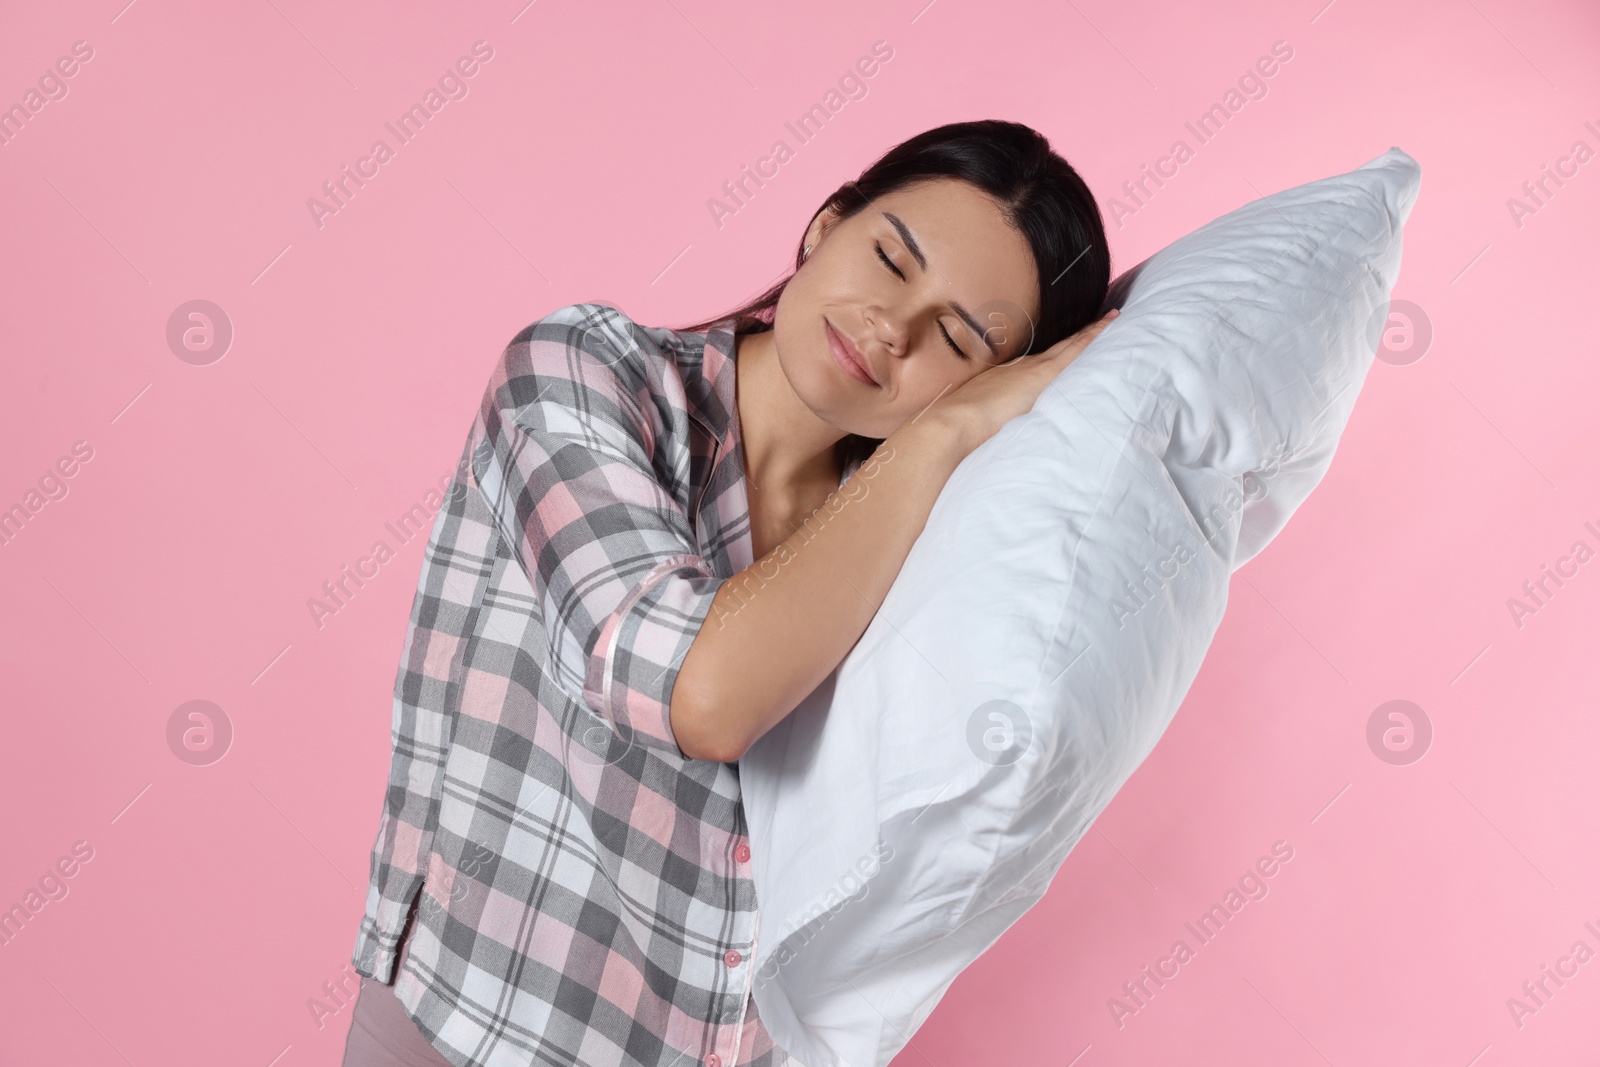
{"points": [[808, 365], [816, 379], [820, 387]]}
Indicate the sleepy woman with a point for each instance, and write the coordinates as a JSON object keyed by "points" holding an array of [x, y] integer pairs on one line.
{"points": [[658, 543]]}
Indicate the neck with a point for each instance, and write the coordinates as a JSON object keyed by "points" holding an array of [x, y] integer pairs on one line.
{"points": [[786, 446]]}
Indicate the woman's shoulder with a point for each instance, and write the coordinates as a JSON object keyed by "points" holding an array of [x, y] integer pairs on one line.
{"points": [[613, 339], [596, 358], [591, 327]]}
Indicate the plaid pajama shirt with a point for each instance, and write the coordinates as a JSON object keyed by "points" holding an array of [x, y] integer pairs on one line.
{"points": [[585, 888]]}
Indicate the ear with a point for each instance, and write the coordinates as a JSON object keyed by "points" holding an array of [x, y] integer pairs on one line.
{"points": [[821, 224]]}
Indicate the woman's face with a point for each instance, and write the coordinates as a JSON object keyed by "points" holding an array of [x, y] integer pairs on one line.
{"points": [[929, 286]]}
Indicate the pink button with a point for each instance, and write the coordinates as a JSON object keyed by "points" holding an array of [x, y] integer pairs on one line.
{"points": [[713, 1060], [742, 853], [732, 957]]}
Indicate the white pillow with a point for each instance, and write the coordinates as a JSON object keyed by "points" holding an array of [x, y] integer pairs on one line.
{"points": [[1053, 613]]}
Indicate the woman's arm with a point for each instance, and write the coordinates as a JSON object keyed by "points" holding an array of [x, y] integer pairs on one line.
{"points": [[778, 627]]}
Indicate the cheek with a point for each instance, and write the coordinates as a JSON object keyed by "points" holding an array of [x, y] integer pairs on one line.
{"points": [[794, 321], [921, 386], [933, 377]]}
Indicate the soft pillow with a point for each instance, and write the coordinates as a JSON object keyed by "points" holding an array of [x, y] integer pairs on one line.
{"points": [[1053, 613]]}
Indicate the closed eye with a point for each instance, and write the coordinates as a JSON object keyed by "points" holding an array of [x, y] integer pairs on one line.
{"points": [[887, 262]]}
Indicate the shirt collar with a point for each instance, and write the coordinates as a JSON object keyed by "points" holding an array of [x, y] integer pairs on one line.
{"points": [[713, 402], [712, 398], [713, 405]]}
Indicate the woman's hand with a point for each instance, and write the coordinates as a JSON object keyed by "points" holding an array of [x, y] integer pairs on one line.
{"points": [[983, 404]]}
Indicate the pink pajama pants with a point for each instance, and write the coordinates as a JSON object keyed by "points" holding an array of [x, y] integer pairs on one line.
{"points": [[381, 1033]]}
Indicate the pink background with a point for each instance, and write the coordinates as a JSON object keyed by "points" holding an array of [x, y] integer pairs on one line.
{"points": [[219, 498]]}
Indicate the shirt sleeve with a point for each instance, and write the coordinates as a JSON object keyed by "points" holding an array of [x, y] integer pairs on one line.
{"points": [[566, 462]]}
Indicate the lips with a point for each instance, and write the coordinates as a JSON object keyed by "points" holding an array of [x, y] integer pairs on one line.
{"points": [[848, 356]]}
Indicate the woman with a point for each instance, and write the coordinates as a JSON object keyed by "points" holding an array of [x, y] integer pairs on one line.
{"points": [[658, 543]]}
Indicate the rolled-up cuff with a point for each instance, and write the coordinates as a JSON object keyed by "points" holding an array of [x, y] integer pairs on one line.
{"points": [[642, 646]]}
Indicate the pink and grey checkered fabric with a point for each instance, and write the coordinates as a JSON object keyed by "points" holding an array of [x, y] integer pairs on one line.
{"points": [[586, 887]]}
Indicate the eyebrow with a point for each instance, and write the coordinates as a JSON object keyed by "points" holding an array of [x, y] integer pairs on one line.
{"points": [[922, 261]]}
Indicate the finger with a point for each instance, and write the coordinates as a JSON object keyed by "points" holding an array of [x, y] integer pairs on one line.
{"points": [[1081, 339]]}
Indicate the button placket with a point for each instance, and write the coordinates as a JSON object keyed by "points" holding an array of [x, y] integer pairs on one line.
{"points": [[733, 958]]}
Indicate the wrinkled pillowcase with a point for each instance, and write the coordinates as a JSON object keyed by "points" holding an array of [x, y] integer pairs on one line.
{"points": [[1053, 613]]}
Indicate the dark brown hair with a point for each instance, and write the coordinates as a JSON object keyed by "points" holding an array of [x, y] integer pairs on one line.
{"points": [[1040, 193]]}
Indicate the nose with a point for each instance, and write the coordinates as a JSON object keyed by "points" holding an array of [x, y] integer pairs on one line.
{"points": [[889, 328]]}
